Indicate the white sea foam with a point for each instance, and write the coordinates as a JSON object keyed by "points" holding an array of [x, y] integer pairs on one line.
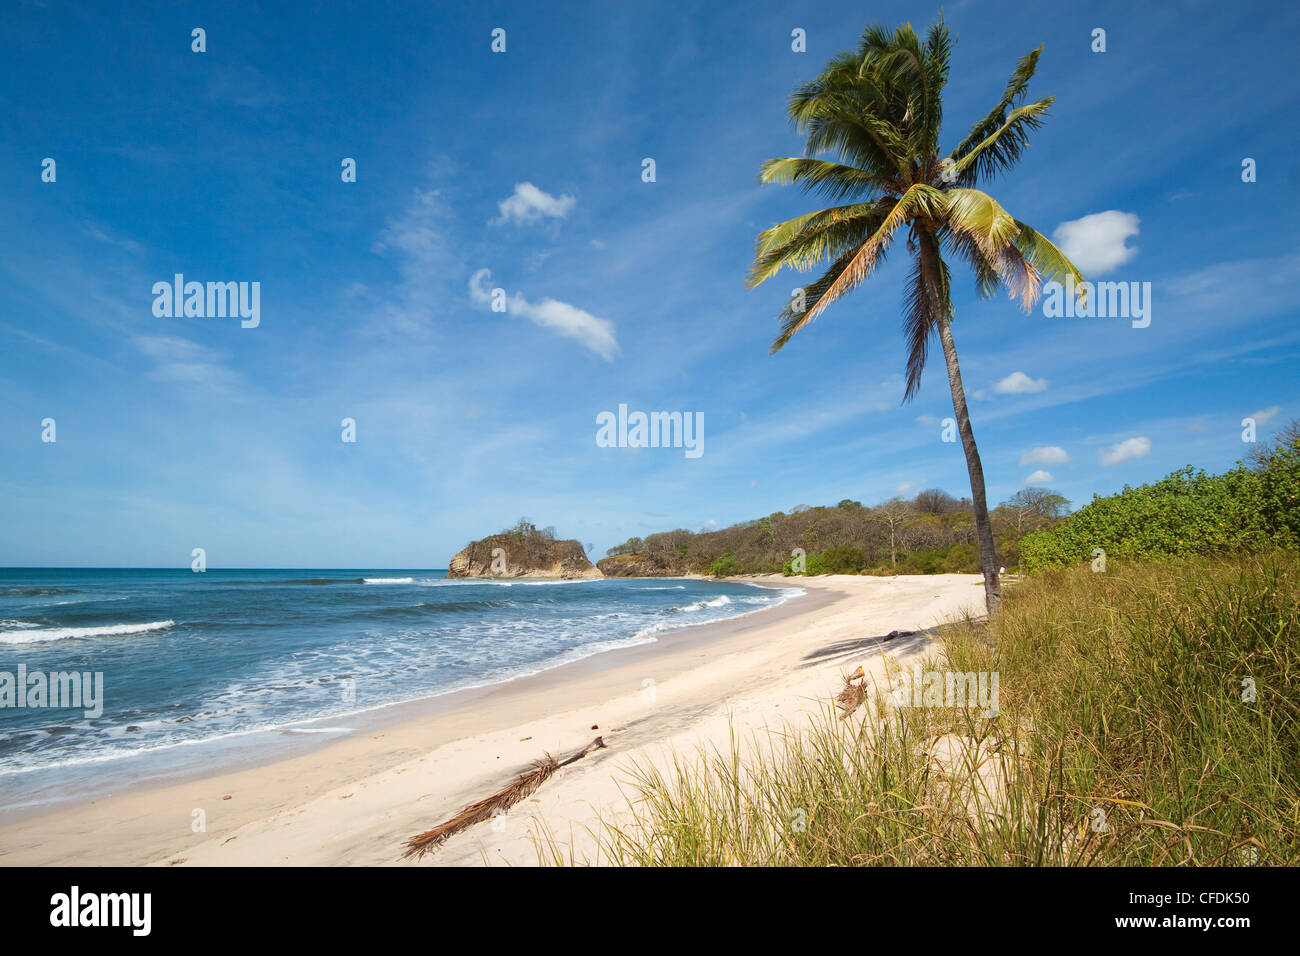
{"points": [[388, 580], [701, 605], [498, 582], [549, 581], [35, 635], [293, 731]]}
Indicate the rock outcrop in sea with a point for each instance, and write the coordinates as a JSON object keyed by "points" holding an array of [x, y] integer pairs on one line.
{"points": [[522, 554]]}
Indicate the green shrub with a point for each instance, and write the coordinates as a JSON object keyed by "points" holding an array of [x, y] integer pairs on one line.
{"points": [[1187, 512], [724, 566], [955, 559], [844, 559]]}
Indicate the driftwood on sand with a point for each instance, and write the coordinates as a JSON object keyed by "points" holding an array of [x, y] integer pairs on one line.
{"points": [[523, 787]]}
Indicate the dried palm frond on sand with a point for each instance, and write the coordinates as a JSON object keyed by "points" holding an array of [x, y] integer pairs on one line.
{"points": [[850, 698], [522, 788]]}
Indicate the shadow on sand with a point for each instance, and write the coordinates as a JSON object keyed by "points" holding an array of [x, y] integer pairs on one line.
{"points": [[845, 652]]}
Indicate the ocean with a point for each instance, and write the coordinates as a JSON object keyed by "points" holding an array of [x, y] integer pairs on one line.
{"points": [[204, 669]]}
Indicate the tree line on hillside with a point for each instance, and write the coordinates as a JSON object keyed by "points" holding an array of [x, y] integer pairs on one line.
{"points": [[932, 533]]}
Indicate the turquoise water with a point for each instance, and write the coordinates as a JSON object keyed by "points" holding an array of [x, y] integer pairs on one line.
{"points": [[198, 667]]}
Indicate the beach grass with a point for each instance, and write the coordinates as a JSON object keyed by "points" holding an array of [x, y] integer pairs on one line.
{"points": [[1147, 715]]}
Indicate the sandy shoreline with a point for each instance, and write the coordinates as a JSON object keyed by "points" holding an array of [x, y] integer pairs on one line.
{"points": [[356, 800]]}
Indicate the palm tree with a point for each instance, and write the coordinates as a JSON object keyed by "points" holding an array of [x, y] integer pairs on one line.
{"points": [[878, 112]]}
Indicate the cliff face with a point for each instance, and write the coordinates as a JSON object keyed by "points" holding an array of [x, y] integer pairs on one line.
{"points": [[660, 564], [521, 556]]}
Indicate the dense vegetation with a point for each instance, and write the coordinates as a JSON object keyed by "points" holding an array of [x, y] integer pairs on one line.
{"points": [[1147, 716], [931, 534], [1251, 507]]}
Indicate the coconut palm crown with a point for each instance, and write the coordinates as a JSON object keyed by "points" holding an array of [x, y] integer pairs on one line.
{"points": [[878, 112]]}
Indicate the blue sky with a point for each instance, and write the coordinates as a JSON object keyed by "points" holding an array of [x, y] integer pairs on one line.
{"points": [[176, 433]]}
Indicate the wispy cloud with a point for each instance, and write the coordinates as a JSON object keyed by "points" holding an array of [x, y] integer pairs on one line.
{"points": [[101, 234], [1264, 415], [187, 363], [1037, 478], [417, 239], [1226, 292], [595, 333]]}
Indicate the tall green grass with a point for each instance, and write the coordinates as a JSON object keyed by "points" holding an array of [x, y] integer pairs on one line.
{"points": [[1122, 739]]}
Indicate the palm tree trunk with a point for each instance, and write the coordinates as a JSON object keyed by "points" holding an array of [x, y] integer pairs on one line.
{"points": [[983, 528]]}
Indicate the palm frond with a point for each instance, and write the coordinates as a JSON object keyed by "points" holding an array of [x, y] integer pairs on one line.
{"points": [[852, 694], [900, 64], [938, 60], [792, 319], [919, 199], [1050, 261], [997, 117], [1002, 148], [846, 124], [848, 114], [977, 216], [987, 280], [807, 240], [926, 300], [520, 789], [834, 181]]}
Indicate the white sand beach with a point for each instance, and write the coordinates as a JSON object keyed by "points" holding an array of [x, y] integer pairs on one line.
{"points": [[355, 801]]}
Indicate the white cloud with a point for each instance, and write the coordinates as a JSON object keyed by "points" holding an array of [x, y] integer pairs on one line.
{"points": [[1263, 416], [1046, 455], [1097, 243], [904, 487], [1126, 450], [1038, 478], [595, 333], [528, 204], [1018, 383], [926, 420]]}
